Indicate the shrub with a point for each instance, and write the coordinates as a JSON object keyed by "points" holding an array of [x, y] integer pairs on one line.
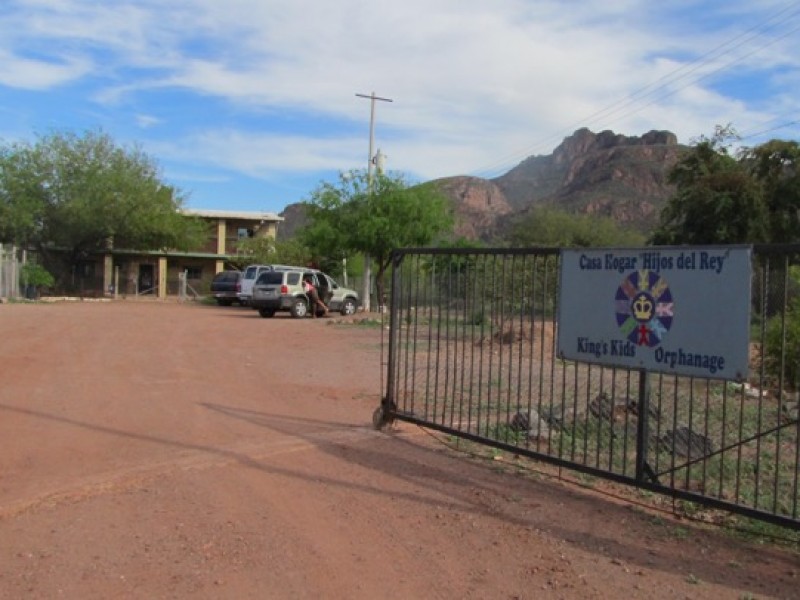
{"points": [[786, 351], [36, 275]]}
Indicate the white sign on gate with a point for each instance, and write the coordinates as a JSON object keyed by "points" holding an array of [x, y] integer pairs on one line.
{"points": [[682, 310]]}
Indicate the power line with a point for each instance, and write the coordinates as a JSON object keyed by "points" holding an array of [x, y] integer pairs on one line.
{"points": [[709, 74], [770, 130], [666, 81], [706, 59]]}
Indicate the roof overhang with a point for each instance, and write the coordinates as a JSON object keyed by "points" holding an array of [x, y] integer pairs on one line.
{"points": [[232, 214]]}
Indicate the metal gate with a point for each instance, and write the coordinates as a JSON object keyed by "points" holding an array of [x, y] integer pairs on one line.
{"points": [[472, 353], [9, 272]]}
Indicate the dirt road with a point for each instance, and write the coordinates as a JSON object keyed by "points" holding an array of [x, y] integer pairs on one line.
{"points": [[153, 450]]}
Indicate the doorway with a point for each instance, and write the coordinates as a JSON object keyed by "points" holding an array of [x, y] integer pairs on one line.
{"points": [[146, 279]]}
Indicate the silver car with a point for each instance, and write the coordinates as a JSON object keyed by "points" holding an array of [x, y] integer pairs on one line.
{"points": [[275, 291]]}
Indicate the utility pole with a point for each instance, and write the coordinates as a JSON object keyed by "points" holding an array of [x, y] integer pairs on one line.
{"points": [[370, 163]]}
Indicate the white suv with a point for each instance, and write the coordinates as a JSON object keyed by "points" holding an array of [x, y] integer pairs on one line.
{"points": [[282, 290], [249, 276]]}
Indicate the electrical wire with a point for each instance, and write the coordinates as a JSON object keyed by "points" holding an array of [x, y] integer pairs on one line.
{"points": [[770, 130], [655, 90]]}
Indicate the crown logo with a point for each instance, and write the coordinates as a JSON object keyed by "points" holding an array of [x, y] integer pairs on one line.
{"points": [[642, 308]]}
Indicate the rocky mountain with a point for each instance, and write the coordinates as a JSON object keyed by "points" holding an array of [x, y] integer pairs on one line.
{"points": [[479, 206], [608, 174], [294, 218]]}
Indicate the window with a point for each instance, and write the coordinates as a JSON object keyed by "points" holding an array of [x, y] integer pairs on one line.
{"points": [[270, 278], [243, 233], [193, 272]]}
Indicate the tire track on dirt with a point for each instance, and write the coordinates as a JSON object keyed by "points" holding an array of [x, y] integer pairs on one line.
{"points": [[247, 453]]}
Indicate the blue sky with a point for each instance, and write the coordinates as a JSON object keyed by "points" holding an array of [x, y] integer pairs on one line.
{"points": [[250, 104]]}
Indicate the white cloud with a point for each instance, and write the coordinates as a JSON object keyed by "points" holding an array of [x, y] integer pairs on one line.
{"points": [[147, 121], [477, 86], [262, 155], [39, 74]]}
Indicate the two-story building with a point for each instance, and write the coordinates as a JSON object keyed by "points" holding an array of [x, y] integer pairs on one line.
{"points": [[159, 273]]}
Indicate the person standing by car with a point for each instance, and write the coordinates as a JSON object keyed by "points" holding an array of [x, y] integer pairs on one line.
{"points": [[311, 291]]}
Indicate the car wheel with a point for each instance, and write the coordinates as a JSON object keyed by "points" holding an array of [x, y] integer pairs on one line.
{"points": [[348, 307], [299, 308], [266, 313]]}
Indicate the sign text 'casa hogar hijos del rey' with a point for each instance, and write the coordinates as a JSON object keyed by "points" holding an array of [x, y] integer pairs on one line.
{"points": [[675, 310]]}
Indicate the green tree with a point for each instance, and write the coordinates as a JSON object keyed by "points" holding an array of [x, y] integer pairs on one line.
{"points": [[717, 201], [266, 250], [35, 276], [325, 234], [544, 226], [352, 216], [21, 199], [82, 194], [776, 167]]}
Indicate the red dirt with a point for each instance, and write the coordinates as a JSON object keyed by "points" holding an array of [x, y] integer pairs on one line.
{"points": [[157, 450]]}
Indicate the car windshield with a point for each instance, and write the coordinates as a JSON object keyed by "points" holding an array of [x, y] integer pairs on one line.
{"points": [[250, 272]]}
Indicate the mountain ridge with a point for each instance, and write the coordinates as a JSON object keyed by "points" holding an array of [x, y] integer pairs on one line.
{"points": [[605, 174]]}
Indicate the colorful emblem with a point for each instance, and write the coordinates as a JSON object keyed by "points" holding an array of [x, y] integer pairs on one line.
{"points": [[644, 308]]}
